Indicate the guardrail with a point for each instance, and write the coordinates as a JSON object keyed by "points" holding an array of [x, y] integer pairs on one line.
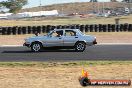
{"points": [[19, 30]]}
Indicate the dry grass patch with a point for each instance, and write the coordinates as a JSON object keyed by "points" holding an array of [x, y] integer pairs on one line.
{"points": [[13, 39], [61, 76], [113, 37], [65, 21]]}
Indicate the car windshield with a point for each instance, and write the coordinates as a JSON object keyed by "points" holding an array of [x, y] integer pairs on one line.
{"points": [[49, 33], [80, 32]]}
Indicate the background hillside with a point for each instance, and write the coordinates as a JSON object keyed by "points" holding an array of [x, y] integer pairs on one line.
{"points": [[83, 7]]}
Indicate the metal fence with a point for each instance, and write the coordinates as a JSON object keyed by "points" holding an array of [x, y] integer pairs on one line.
{"points": [[20, 30]]}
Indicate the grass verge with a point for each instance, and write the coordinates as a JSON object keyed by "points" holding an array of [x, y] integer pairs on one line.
{"points": [[57, 64], [61, 74], [59, 21]]}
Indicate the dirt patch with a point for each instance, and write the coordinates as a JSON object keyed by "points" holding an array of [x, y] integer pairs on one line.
{"points": [[13, 39], [112, 37], [61, 76]]}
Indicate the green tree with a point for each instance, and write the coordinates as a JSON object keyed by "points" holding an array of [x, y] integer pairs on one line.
{"points": [[13, 5]]}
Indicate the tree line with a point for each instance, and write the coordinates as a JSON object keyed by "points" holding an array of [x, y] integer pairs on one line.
{"points": [[113, 1], [13, 5]]}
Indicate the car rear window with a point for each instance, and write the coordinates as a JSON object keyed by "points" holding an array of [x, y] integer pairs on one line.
{"points": [[70, 33]]}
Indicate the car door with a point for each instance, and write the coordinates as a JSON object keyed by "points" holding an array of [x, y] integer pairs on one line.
{"points": [[55, 39], [70, 38]]}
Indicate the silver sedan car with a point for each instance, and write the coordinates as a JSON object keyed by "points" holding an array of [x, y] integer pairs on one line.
{"points": [[61, 38]]}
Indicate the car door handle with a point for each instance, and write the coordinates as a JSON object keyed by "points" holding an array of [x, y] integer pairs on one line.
{"points": [[76, 37], [60, 38]]}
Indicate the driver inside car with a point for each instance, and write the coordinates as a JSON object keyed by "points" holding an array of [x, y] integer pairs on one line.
{"points": [[56, 34]]}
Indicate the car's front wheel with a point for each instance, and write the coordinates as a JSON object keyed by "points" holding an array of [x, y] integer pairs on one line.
{"points": [[36, 47], [80, 46]]}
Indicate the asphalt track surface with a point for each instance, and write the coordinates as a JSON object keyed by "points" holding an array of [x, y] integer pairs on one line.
{"points": [[97, 52]]}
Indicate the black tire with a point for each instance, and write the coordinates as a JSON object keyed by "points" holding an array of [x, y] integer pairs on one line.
{"points": [[36, 47], [84, 81], [80, 46]]}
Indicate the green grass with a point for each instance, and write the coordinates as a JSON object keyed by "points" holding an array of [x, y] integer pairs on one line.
{"points": [[55, 64]]}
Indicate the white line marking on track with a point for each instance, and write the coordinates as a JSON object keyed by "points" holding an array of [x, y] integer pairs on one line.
{"points": [[114, 44], [97, 44], [11, 46]]}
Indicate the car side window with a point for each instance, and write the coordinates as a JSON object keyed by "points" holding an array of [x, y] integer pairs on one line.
{"points": [[70, 33], [57, 33]]}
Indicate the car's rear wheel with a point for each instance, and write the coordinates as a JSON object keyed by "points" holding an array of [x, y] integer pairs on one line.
{"points": [[80, 46], [36, 47]]}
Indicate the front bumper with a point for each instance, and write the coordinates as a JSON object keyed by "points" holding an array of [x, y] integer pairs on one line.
{"points": [[25, 44], [94, 42]]}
